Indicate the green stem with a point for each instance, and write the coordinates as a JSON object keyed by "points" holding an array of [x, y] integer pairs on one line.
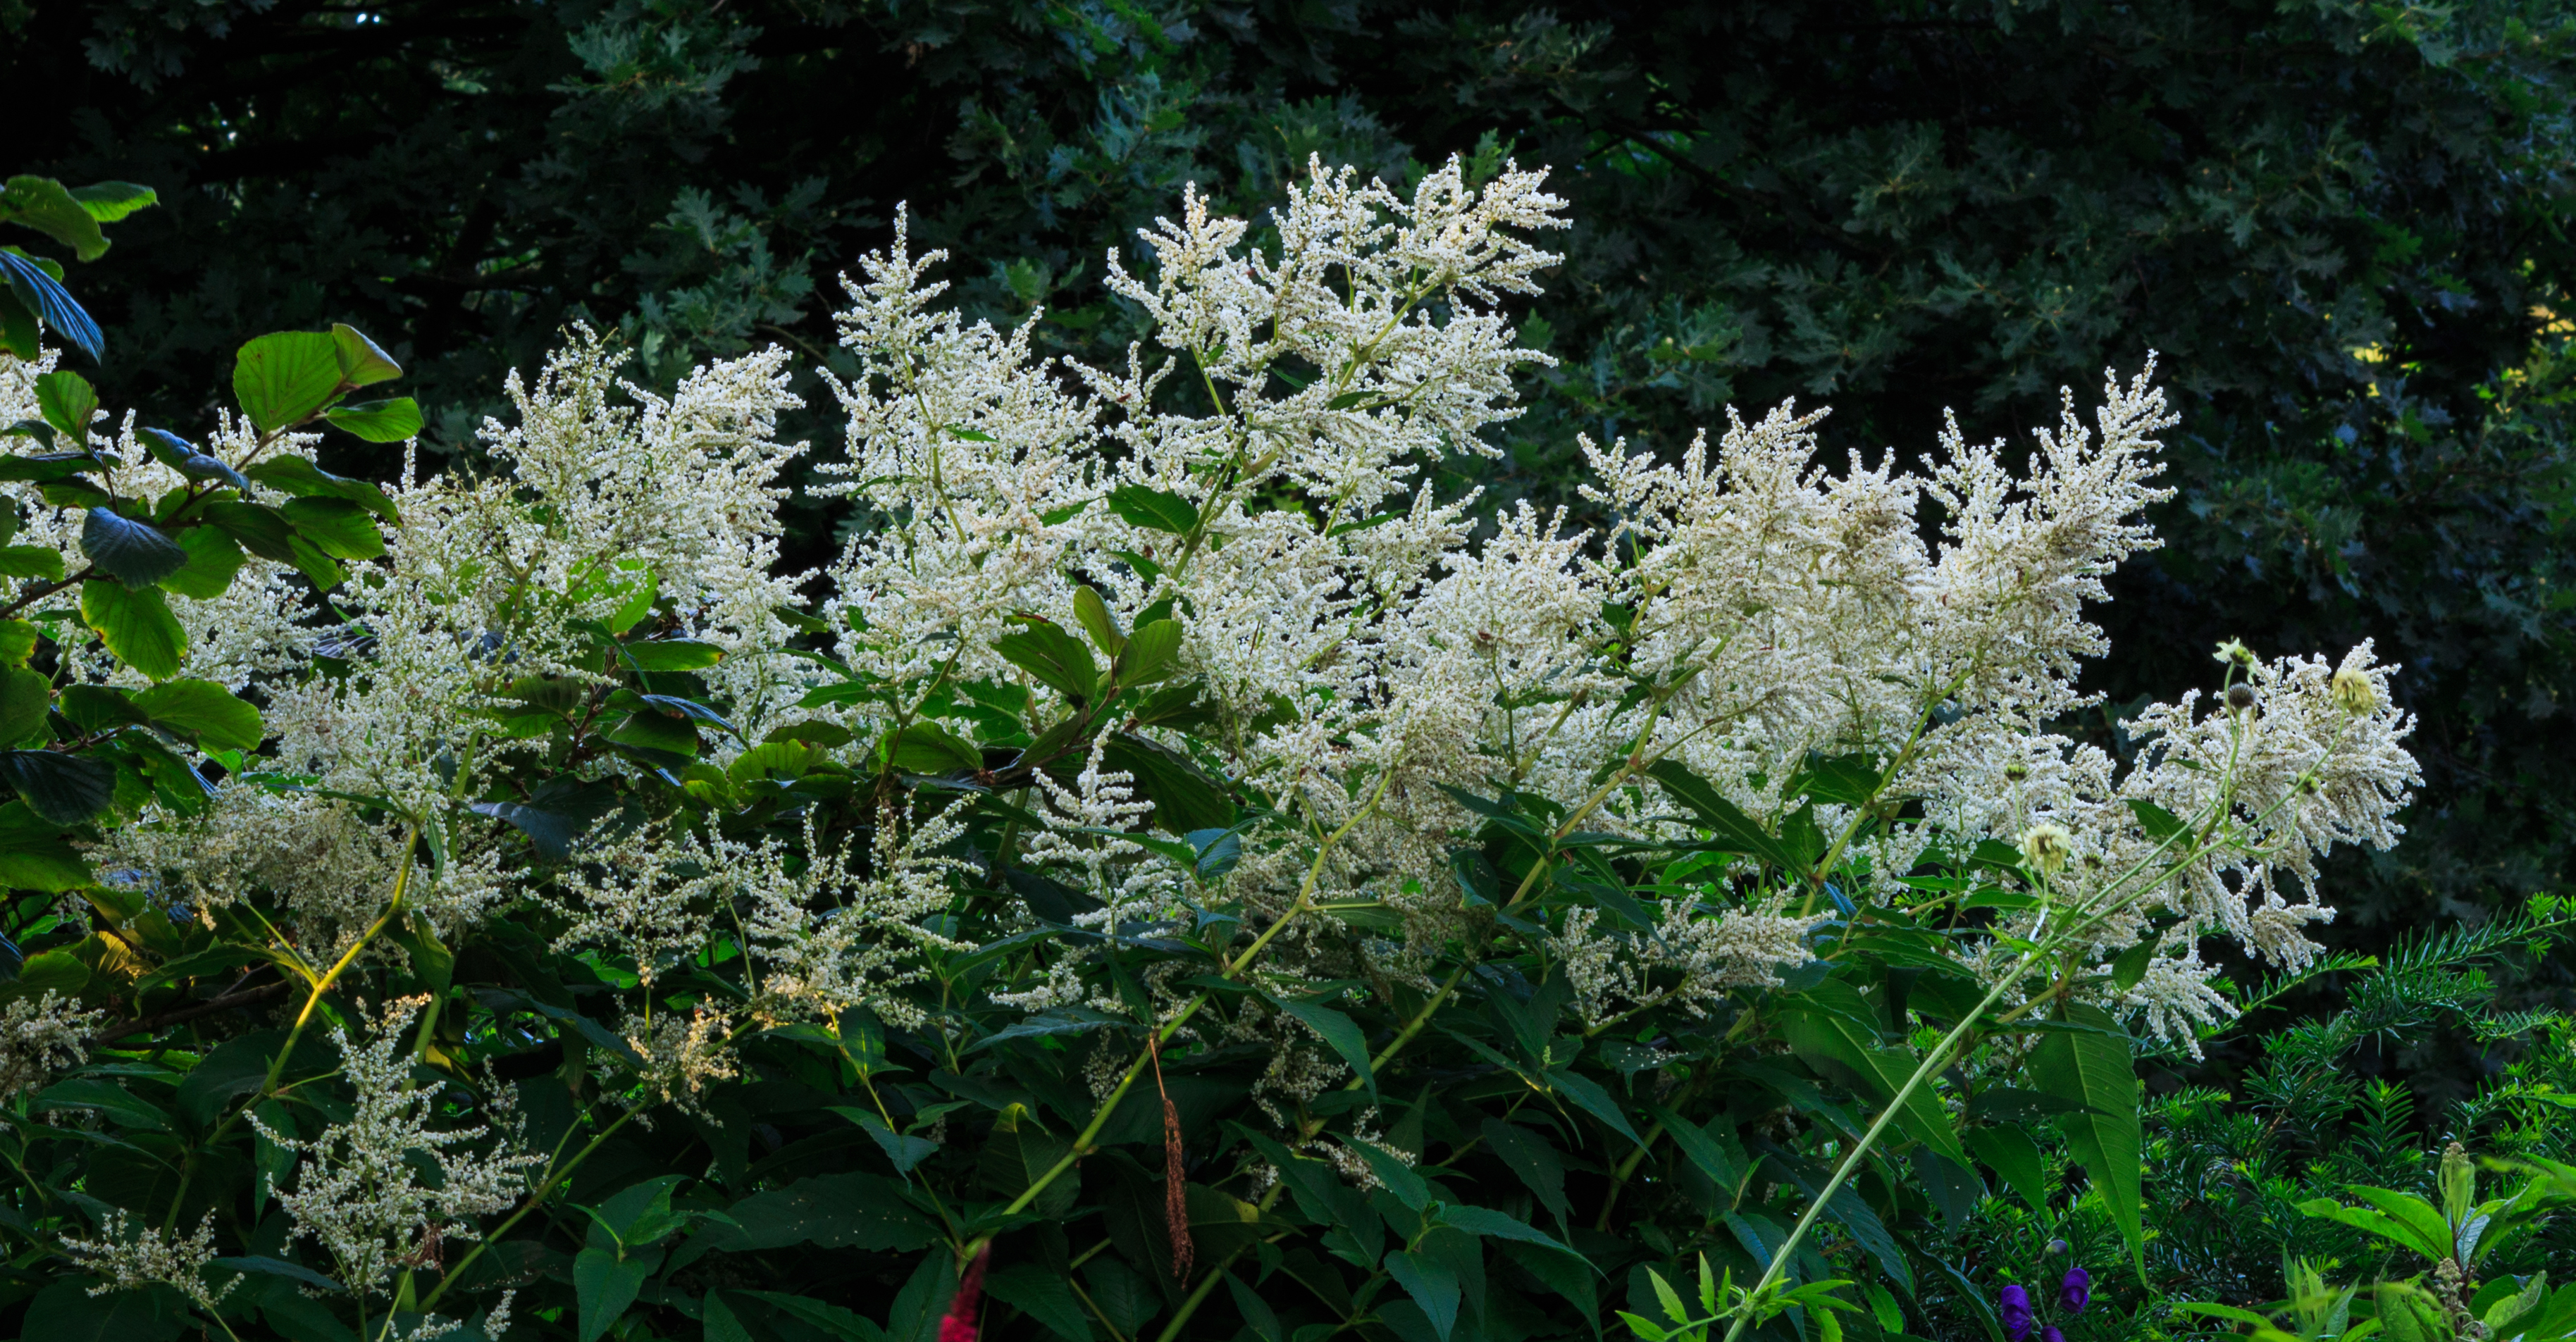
{"points": [[554, 1178]]}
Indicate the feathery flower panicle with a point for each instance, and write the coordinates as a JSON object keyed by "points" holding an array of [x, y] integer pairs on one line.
{"points": [[40, 1036], [358, 1188], [129, 1256]]}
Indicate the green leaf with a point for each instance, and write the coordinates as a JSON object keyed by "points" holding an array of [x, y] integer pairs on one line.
{"points": [[1539, 1165], [1154, 509], [24, 697], [214, 716], [282, 378], [137, 626], [1723, 1161], [136, 554], [96, 708], [671, 654], [901, 1151], [929, 748], [606, 1284], [390, 421], [17, 642], [258, 528], [67, 401], [1589, 1096], [2012, 1154], [1732, 830], [653, 729], [2093, 1068], [2159, 823], [61, 789], [1053, 658], [1185, 798], [554, 816], [835, 1211], [1825, 1025], [107, 1097], [2424, 1234], [1018, 1154], [1150, 654], [42, 204], [35, 855], [31, 561], [339, 528], [1431, 1284], [278, 1267], [65, 1311], [1042, 1294], [214, 558], [1337, 1030], [1097, 621], [295, 475], [180, 455], [361, 362], [108, 202], [35, 287]]}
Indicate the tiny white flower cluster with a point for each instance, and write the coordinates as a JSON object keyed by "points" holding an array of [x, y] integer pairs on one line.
{"points": [[131, 1256], [40, 1036], [359, 1189]]}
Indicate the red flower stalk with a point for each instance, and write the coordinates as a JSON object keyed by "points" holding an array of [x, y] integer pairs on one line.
{"points": [[959, 1326]]}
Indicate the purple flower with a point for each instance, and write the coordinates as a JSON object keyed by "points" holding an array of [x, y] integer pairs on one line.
{"points": [[2016, 1313], [2050, 1334], [2074, 1293]]}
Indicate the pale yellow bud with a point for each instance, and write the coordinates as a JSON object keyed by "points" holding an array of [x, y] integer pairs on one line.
{"points": [[2353, 692], [2047, 846]]}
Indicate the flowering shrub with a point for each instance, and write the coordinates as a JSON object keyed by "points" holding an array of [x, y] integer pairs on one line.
{"points": [[1172, 869]]}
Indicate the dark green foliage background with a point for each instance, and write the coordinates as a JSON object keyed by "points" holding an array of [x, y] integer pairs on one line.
{"points": [[2344, 226]]}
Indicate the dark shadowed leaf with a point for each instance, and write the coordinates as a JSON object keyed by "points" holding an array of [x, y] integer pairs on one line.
{"points": [[134, 553]]}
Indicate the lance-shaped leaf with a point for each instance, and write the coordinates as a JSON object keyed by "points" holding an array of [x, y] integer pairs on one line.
{"points": [[38, 293], [1153, 509], [390, 421], [2091, 1067], [1730, 828], [1337, 1030], [214, 716], [1053, 658]]}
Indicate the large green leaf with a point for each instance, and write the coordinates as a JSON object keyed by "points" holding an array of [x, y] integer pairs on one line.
{"points": [[67, 401], [378, 421], [1825, 1026], [295, 475], [24, 697], [605, 1284], [137, 626], [1335, 1029], [182, 456], [136, 554], [2092, 1067], [1154, 509], [362, 363], [215, 716], [2014, 1156], [35, 855], [41, 203], [282, 378], [836, 1211], [1018, 1154], [65, 1311], [1053, 658], [1730, 828], [108, 202], [214, 558], [61, 789], [340, 528], [1042, 1294]]}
